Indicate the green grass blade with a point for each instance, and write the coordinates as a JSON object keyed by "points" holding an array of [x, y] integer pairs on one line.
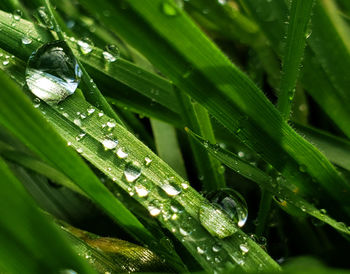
{"points": [[217, 84], [34, 131], [155, 177], [196, 117], [27, 236], [296, 37], [286, 195]]}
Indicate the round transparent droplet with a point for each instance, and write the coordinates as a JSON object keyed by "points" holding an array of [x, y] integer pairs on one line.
{"points": [[171, 188], [109, 144], [148, 161], [132, 171], [153, 210], [121, 153], [141, 190], [113, 50], [108, 57], [244, 248], [17, 15], [26, 40], [232, 203], [85, 45], [52, 72]]}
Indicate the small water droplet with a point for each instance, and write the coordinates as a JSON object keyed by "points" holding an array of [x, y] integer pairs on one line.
{"points": [[44, 17], [110, 125], [154, 211], [216, 248], [80, 136], [171, 188], [77, 122], [184, 185], [241, 154], [243, 248], [100, 114], [52, 73], [183, 232], [109, 144], [200, 250], [85, 46], [141, 190], [221, 169], [232, 203], [90, 111], [132, 171], [79, 150], [26, 40], [121, 153], [148, 161], [17, 15], [5, 62], [113, 50], [108, 57]]}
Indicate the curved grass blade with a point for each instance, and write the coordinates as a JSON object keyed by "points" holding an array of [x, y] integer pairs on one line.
{"points": [[296, 38], [283, 191], [217, 84], [27, 236]]}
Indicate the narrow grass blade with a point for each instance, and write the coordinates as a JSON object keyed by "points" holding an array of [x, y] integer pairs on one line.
{"points": [[296, 38], [286, 195], [196, 117], [27, 236]]}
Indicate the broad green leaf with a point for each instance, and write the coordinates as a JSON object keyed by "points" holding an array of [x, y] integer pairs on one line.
{"points": [[212, 80], [27, 236]]}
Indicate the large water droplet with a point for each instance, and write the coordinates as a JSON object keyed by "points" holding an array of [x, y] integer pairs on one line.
{"points": [[109, 144], [171, 188], [121, 153], [141, 190], [132, 171], [232, 203], [52, 72], [17, 14], [153, 210]]}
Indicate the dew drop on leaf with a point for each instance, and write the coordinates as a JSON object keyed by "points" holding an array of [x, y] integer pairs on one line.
{"points": [[244, 248], [85, 46], [171, 7], [109, 144], [26, 40], [17, 15], [232, 203], [121, 153], [52, 72], [132, 171], [171, 188]]}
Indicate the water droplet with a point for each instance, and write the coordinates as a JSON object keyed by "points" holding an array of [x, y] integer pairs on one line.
{"points": [[52, 73], [216, 248], [243, 248], [323, 211], [171, 188], [200, 250], [154, 211], [232, 203], [222, 2], [121, 153], [26, 40], [100, 114], [148, 161], [171, 8], [17, 15], [79, 150], [90, 111], [85, 46], [241, 154], [113, 50], [5, 62], [68, 271], [132, 171], [110, 125], [80, 136], [77, 122], [215, 221], [109, 144], [108, 57], [141, 190], [184, 185], [183, 232]]}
